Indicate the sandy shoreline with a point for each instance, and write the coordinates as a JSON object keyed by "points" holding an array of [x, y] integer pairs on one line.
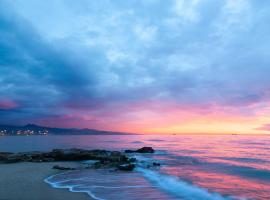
{"points": [[25, 181]]}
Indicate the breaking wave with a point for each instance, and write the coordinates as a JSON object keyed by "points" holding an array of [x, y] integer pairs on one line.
{"points": [[180, 188]]}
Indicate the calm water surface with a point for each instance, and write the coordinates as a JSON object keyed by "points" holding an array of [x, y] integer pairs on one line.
{"points": [[193, 167]]}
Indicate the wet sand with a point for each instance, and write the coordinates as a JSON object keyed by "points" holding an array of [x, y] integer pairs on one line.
{"points": [[25, 181]]}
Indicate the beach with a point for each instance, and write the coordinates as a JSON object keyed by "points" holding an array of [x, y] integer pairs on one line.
{"points": [[25, 181]]}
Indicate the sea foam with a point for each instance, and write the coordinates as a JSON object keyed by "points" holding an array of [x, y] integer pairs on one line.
{"points": [[180, 188]]}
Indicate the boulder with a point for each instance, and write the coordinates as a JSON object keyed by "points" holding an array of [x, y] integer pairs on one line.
{"points": [[146, 150], [132, 160], [63, 168], [141, 150], [4, 156], [130, 151], [156, 164], [13, 159]]}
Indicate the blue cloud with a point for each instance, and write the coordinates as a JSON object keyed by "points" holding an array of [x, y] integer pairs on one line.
{"points": [[95, 55]]}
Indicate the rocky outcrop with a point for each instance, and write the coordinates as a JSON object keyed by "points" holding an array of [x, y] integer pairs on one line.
{"points": [[63, 155], [103, 158], [63, 168], [141, 150]]}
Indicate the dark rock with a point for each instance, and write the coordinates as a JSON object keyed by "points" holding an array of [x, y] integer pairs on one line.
{"points": [[141, 150], [156, 164], [130, 151], [132, 160], [146, 150], [63, 168], [98, 165], [48, 160], [105, 159], [116, 154], [107, 164], [13, 159], [79, 154], [126, 167], [4, 156]]}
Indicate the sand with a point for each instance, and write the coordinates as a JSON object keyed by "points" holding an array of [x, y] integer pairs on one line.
{"points": [[25, 181]]}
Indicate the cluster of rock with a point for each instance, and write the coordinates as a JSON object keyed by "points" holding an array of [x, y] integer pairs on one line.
{"points": [[103, 158]]}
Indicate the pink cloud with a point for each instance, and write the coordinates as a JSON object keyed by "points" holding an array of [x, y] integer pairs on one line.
{"points": [[141, 116], [7, 104], [264, 127]]}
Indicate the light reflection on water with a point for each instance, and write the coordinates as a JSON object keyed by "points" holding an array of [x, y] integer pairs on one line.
{"points": [[237, 166]]}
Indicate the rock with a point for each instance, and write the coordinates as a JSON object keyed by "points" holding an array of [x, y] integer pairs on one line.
{"points": [[102, 158], [13, 159], [98, 165], [80, 154], [107, 164], [141, 150], [36, 160], [116, 154], [48, 160], [126, 167], [130, 151], [146, 150], [132, 160], [63, 168], [4, 156], [156, 164]]}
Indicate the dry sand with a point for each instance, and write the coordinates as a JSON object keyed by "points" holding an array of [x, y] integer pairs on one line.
{"points": [[25, 181]]}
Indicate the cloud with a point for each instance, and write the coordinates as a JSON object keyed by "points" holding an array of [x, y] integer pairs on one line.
{"points": [[7, 105], [187, 10], [34, 73], [265, 127], [100, 58]]}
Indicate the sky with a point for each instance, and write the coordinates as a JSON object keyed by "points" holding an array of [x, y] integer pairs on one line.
{"points": [[141, 66]]}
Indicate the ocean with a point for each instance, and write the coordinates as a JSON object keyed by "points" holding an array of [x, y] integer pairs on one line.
{"points": [[193, 167]]}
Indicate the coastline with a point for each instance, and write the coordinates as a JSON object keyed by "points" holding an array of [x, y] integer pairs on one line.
{"points": [[23, 174], [25, 181]]}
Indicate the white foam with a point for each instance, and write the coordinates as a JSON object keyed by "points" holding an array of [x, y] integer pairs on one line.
{"points": [[170, 184], [71, 188], [180, 188]]}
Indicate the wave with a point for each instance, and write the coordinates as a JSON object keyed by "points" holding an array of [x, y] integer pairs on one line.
{"points": [[179, 188], [70, 187], [240, 170], [136, 142], [245, 160], [156, 140], [104, 185], [170, 184], [95, 184]]}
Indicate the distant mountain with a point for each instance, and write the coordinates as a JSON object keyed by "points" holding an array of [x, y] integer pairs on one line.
{"points": [[32, 129]]}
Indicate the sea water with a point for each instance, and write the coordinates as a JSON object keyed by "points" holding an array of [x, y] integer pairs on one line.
{"points": [[193, 167]]}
